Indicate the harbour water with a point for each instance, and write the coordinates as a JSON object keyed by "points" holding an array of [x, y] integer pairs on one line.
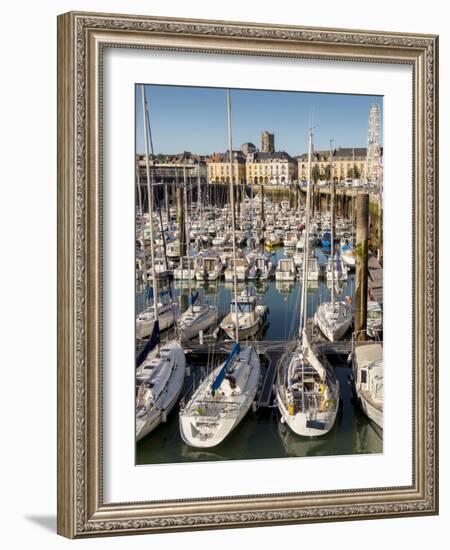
{"points": [[261, 435]]}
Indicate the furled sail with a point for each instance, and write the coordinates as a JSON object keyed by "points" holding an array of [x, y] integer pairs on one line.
{"points": [[229, 361], [152, 342]]}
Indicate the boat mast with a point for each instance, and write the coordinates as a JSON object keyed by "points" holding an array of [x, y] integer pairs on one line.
{"points": [[199, 191], [150, 201], [353, 183], [332, 223], [251, 218], [303, 305], [187, 235], [233, 217], [144, 258]]}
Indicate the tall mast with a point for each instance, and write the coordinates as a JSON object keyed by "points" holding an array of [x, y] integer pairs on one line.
{"points": [[353, 166], [150, 200], [138, 177], [144, 260], [233, 217], [199, 189], [332, 223], [187, 233], [303, 305], [200, 201]]}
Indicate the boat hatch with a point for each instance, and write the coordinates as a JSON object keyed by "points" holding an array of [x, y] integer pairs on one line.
{"points": [[315, 424], [243, 307]]}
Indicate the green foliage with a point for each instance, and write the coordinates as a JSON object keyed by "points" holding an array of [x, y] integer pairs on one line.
{"points": [[315, 173], [354, 172], [361, 249]]}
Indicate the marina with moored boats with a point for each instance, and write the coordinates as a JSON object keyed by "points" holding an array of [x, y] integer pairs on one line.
{"points": [[258, 316]]}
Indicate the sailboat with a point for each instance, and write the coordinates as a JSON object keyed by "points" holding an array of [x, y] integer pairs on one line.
{"points": [[167, 311], [160, 379], [307, 391], [333, 318], [198, 317], [145, 320], [222, 400], [160, 370], [246, 313]]}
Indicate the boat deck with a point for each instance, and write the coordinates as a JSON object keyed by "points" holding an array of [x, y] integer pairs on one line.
{"points": [[376, 279]]}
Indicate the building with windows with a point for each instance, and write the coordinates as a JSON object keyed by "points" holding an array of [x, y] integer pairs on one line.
{"points": [[173, 166], [348, 162], [218, 166], [277, 168]]}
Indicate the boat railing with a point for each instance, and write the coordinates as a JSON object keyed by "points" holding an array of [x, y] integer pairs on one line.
{"points": [[213, 409], [317, 402]]}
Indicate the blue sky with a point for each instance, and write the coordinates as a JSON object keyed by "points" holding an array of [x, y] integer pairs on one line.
{"points": [[195, 119]]}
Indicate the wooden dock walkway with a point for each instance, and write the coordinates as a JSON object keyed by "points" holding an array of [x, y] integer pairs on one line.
{"points": [[341, 348]]}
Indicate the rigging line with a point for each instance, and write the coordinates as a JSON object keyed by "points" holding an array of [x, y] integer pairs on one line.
{"points": [[158, 209]]}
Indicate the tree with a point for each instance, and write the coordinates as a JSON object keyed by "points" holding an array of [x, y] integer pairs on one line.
{"points": [[315, 173], [354, 172]]}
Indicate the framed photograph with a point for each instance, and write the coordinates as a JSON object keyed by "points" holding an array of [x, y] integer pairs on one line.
{"points": [[247, 284]]}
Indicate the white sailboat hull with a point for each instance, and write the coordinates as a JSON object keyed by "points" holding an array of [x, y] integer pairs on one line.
{"points": [[191, 326], [145, 323], [333, 329], [203, 430], [300, 423], [168, 400], [307, 392], [248, 327]]}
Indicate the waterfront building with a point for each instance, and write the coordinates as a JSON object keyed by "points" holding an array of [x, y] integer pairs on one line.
{"points": [[218, 166], [347, 162], [277, 168], [171, 167]]}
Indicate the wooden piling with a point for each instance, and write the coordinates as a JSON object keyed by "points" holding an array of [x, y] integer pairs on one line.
{"points": [[263, 216], [362, 235], [166, 200]]}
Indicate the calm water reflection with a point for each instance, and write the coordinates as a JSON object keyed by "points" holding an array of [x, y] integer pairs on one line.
{"points": [[261, 435]]}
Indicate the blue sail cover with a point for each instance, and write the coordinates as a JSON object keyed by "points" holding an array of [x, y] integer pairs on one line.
{"points": [[326, 239], [193, 298], [150, 294], [229, 361], [152, 342]]}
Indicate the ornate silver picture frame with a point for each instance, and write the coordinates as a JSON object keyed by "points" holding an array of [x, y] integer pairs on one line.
{"points": [[82, 39]]}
